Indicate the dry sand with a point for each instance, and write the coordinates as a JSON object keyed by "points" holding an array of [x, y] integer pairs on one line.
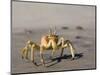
{"points": [[32, 20]]}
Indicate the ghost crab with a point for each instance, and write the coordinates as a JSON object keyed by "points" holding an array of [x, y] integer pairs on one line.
{"points": [[51, 41]]}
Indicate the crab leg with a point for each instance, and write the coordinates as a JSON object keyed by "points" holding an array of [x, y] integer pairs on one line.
{"points": [[62, 50], [26, 53], [32, 54], [41, 56], [71, 49]]}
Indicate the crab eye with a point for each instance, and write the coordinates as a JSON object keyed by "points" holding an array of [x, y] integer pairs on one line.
{"points": [[33, 45], [29, 42]]}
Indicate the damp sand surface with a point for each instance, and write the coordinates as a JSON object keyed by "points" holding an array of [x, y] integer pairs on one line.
{"points": [[83, 41]]}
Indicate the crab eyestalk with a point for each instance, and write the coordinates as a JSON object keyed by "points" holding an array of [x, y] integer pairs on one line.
{"points": [[50, 31], [54, 31]]}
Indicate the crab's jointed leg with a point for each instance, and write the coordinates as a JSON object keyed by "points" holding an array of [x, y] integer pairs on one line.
{"points": [[69, 45], [41, 56]]}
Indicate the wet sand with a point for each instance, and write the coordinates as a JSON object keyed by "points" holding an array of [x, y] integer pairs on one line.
{"points": [[85, 52], [23, 29]]}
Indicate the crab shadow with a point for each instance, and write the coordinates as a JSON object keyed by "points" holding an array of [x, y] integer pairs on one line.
{"points": [[59, 59]]}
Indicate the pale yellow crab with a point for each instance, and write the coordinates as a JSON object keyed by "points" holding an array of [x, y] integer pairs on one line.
{"points": [[52, 41]]}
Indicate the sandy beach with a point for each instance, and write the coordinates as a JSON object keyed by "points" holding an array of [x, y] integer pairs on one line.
{"points": [[33, 20]]}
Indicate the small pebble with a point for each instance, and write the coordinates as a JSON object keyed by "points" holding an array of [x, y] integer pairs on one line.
{"points": [[78, 37], [65, 27], [79, 28]]}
